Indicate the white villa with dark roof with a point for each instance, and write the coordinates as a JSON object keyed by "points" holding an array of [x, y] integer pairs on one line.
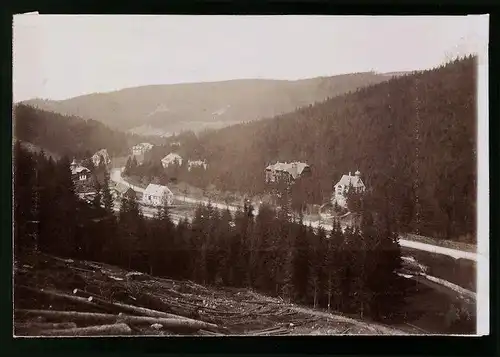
{"points": [[171, 159], [342, 188], [288, 171], [154, 195]]}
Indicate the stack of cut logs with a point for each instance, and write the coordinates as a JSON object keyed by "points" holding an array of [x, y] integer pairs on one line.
{"points": [[118, 319]]}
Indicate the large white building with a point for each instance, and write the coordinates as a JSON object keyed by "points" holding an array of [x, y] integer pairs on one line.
{"points": [[154, 195], [141, 148], [287, 170], [342, 187], [171, 159]]}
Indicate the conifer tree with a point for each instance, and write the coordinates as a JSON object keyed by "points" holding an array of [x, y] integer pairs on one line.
{"points": [[314, 266], [48, 211], [197, 239], [107, 198], [128, 167], [352, 277], [181, 252], [285, 277], [301, 267], [388, 296], [161, 241], [265, 226], [130, 230], [25, 195], [65, 209], [239, 249], [97, 199], [334, 263], [224, 234]]}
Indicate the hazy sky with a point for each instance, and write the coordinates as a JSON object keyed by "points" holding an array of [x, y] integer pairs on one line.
{"points": [[60, 56]]}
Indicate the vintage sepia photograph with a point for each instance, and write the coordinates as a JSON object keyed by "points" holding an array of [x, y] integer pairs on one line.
{"points": [[221, 176]]}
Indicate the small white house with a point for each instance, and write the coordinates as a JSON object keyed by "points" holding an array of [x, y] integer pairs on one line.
{"points": [[197, 163], [78, 172], [154, 195], [342, 188], [171, 159]]}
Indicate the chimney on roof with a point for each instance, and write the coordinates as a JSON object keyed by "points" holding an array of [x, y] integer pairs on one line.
{"points": [[357, 173], [349, 173]]}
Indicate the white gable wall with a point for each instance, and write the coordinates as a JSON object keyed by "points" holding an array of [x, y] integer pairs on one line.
{"points": [[340, 193], [154, 194]]}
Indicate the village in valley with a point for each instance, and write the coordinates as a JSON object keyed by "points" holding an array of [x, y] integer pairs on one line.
{"points": [[332, 204], [279, 177]]}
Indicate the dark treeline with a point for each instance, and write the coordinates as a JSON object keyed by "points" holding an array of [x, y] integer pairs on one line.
{"points": [[412, 138], [351, 271], [69, 135]]}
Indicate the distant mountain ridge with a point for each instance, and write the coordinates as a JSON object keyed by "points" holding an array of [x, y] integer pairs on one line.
{"points": [[172, 108]]}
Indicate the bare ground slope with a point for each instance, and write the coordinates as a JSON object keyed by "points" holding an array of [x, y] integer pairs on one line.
{"points": [[61, 297]]}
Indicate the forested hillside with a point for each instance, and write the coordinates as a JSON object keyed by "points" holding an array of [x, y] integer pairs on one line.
{"points": [[353, 271], [164, 109], [412, 138], [71, 136], [269, 252]]}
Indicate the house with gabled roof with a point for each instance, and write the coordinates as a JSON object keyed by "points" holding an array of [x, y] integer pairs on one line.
{"points": [[171, 159], [346, 183], [79, 172], [83, 180], [287, 171], [155, 195], [121, 190]]}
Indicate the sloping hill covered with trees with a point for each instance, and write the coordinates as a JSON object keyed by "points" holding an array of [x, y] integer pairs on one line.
{"points": [[68, 135], [235, 257], [196, 106], [412, 138]]}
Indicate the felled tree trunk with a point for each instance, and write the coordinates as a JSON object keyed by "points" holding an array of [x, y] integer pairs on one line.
{"points": [[115, 329], [168, 323], [34, 328], [119, 307]]}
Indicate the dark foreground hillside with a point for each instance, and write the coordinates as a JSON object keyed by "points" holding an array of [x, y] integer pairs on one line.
{"points": [[413, 138], [62, 297], [68, 135]]}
